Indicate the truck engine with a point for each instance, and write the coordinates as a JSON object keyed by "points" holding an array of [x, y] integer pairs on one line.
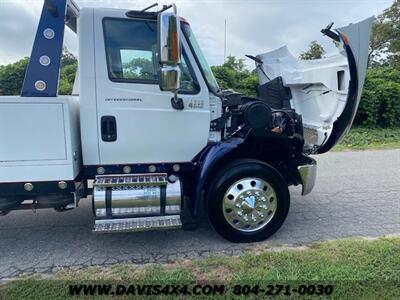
{"points": [[260, 116]]}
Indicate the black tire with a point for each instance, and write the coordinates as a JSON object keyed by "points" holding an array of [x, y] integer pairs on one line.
{"points": [[230, 174]]}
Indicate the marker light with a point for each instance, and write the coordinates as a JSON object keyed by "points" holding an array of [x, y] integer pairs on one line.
{"points": [[28, 186], [49, 33], [127, 169], [62, 185], [101, 170], [40, 85], [44, 60]]}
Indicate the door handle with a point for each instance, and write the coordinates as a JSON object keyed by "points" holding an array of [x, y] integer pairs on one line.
{"points": [[108, 129]]}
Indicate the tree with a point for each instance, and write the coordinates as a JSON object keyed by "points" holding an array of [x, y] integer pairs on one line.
{"points": [[234, 75], [385, 38], [68, 58], [378, 43], [12, 75], [140, 67], [380, 101], [69, 65], [315, 51], [67, 79], [391, 17]]}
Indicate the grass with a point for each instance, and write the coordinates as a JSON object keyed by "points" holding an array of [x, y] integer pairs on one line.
{"points": [[358, 269], [361, 138]]}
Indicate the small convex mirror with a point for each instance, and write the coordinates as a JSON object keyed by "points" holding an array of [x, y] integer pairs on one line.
{"points": [[169, 51]]}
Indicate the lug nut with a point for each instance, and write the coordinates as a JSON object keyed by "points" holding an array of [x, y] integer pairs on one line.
{"points": [[172, 178]]}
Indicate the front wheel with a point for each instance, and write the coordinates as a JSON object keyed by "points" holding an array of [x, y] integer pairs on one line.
{"points": [[247, 201]]}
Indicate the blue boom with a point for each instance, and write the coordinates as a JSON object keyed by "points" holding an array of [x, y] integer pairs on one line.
{"points": [[43, 71]]}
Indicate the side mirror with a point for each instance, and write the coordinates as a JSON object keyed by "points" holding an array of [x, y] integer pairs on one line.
{"points": [[169, 51]]}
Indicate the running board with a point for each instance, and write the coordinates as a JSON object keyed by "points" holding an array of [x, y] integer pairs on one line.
{"points": [[138, 224]]}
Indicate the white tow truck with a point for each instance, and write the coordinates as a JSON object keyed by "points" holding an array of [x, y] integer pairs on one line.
{"points": [[150, 135]]}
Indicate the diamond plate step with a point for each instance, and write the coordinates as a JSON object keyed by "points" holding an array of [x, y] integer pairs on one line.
{"points": [[149, 179], [138, 224]]}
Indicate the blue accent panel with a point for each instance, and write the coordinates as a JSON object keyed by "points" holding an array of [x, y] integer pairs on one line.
{"points": [[211, 155], [52, 17]]}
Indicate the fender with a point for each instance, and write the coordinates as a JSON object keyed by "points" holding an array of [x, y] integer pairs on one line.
{"points": [[207, 160]]}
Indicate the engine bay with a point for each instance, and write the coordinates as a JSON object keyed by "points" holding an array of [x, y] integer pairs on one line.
{"points": [[268, 115]]}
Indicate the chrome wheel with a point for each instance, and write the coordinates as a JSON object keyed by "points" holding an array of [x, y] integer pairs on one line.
{"points": [[249, 204]]}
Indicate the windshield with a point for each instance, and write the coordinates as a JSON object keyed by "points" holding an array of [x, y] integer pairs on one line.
{"points": [[201, 60]]}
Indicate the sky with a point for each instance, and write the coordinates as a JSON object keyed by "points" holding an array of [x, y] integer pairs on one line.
{"points": [[253, 26]]}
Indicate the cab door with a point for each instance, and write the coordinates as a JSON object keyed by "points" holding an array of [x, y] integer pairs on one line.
{"points": [[136, 121]]}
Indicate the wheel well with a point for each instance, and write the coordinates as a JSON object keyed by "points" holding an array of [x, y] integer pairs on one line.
{"points": [[272, 154]]}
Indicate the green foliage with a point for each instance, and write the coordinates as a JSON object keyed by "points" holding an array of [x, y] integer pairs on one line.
{"points": [[138, 68], [234, 75], [69, 64], [392, 19], [380, 102], [385, 38], [378, 43], [361, 138], [12, 75], [315, 51], [68, 58], [357, 269], [249, 85], [67, 78]]}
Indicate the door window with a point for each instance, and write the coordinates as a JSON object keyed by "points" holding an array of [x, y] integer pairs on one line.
{"points": [[131, 50], [188, 83], [137, 64]]}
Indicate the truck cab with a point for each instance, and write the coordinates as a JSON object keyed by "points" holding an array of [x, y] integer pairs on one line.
{"points": [[152, 138], [119, 53]]}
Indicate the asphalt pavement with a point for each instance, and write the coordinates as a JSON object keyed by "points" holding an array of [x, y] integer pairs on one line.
{"points": [[357, 194]]}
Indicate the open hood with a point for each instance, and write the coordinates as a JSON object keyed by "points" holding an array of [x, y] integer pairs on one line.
{"points": [[325, 92]]}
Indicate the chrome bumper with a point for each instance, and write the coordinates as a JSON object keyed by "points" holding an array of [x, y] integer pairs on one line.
{"points": [[308, 174]]}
